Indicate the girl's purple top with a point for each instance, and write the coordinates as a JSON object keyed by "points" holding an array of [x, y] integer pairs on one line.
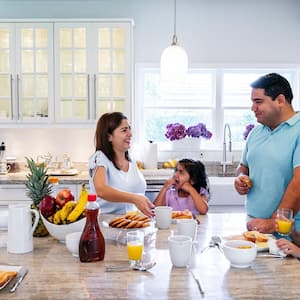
{"points": [[182, 203]]}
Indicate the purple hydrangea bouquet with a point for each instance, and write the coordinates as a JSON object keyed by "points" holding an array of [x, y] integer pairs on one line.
{"points": [[248, 128], [177, 131]]}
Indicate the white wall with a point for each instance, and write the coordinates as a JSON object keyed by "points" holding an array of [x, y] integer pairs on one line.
{"points": [[224, 32]]}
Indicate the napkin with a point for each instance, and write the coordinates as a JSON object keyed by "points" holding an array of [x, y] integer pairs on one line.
{"points": [[273, 249]]}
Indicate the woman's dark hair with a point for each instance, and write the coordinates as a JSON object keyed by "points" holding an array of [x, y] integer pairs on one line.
{"points": [[106, 124], [274, 85], [196, 170]]}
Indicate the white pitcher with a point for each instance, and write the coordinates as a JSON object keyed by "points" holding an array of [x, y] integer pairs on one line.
{"points": [[20, 228]]}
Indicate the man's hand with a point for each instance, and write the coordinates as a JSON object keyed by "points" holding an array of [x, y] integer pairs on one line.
{"points": [[262, 225], [240, 184]]}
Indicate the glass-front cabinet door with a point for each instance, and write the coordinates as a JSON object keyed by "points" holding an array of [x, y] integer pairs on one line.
{"points": [[7, 71], [93, 70], [26, 70]]}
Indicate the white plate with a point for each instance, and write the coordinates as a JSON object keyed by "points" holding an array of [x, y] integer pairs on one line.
{"points": [[119, 234], [9, 268], [261, 246]]}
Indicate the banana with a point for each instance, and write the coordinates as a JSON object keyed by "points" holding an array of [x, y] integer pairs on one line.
{"points": [[57, 217], [80, 206], [66, 210]]}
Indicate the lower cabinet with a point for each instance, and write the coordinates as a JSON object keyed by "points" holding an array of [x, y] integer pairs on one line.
{"points": [[13, 194]]}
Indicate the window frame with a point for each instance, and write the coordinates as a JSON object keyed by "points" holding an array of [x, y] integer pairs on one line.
{"points": [[218, 108]]}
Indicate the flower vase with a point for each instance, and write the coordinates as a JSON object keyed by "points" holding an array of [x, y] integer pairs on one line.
{"points": [[186, 144]]}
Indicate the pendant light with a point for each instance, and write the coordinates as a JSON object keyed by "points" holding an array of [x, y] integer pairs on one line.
{"points": [[173, 61]]}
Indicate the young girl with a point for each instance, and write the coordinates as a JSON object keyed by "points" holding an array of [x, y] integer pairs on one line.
{"points": [[187, 189]]}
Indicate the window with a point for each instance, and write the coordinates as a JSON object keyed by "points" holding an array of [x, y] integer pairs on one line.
{"points": [[212, 96]]}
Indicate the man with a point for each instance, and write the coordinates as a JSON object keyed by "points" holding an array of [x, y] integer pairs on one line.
{"points": [[271, 157]]}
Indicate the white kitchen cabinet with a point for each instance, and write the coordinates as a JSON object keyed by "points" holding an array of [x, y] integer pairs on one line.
{"points": [[64, 71], [26, 72], [13, 194], [93, 69]]}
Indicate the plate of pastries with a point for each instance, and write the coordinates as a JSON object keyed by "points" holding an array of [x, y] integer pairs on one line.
{"points": [[130, 221]]}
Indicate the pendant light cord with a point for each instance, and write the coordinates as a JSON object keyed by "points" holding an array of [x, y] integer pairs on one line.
{"points": [[174, 40]]}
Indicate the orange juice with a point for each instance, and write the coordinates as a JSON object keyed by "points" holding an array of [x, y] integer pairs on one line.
{"points": [[284, 226], [135, 251]]}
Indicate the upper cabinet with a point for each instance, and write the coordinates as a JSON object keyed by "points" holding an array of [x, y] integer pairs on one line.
{"points": [[65, 72], [26, 72]]}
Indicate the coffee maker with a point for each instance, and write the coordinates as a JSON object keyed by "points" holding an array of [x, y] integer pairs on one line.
{"points": [[3, 165]]}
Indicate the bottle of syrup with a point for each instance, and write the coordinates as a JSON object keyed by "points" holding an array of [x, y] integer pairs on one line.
{"points": [[92, 244]]}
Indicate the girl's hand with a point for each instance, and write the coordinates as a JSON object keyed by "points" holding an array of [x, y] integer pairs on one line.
{"points": [[288, 247], [186, 186], [169, 182]]}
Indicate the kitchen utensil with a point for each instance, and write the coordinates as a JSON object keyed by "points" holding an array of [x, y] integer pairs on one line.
{"points": [[197, 280], [21, 275], [20, 228], [122, 268], [215, 242]]}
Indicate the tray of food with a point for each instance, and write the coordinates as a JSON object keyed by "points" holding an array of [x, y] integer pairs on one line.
{"points": [[7, 274], [260, 239]]}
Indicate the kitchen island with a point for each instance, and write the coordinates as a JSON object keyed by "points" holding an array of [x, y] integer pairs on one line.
{"points": [[55, 274]]}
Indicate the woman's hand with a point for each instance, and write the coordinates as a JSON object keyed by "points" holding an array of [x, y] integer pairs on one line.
{"points": [[144, 205]]}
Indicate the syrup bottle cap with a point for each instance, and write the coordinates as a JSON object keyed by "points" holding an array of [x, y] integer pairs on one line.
{"points": [[92, 197]]}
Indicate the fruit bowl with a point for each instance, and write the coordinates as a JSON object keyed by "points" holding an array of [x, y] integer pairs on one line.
{"points": [[59, 232]]}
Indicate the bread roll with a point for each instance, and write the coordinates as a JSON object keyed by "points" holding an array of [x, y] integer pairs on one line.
{"points": [[255, 236], [247, 181], [6, 276]]}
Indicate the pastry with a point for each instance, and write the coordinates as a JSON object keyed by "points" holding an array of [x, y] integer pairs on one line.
{"points": [[5, 276]]}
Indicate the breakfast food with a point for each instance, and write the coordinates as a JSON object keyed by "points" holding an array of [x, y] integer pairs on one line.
{"points": [[246, 180], [129, 221], [6, 276], [255, 236], [185, 214]]}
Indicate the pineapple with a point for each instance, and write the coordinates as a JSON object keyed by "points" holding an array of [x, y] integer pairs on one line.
{"points": [[37, 188]]}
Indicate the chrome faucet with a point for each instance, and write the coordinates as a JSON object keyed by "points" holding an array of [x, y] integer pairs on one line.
{"points": [[224, 161]]}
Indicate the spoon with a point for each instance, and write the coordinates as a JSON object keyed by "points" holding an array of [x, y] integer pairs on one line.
{"points": [[214, 242], [120, 268]]}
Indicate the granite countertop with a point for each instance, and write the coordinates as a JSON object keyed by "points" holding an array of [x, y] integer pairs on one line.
{"points": [[55, 274], [152, 176]]}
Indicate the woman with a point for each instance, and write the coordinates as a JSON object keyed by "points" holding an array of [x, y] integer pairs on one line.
{"points": [[114, 176]]}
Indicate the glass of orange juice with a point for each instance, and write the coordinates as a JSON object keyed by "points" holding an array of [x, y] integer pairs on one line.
{"points": [[135, 247], [284, 221]]}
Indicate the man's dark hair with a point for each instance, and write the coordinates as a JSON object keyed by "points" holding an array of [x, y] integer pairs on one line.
{"points": [[274, 85]]}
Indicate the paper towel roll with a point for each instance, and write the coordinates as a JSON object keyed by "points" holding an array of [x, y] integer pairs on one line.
{"points": [[150, 156]]}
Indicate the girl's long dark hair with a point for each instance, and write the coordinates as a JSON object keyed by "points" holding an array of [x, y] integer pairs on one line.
{"points": [[196, 170]]}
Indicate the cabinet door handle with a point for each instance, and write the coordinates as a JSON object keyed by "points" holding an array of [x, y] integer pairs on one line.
{"points": [[18, 97], [89, 95], [95, 96], [11, 97]]}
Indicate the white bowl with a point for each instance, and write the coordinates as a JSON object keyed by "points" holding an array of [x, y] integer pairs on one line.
{"points": [[237, 253], [3, 219], [60, 231], [72, 242]]}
